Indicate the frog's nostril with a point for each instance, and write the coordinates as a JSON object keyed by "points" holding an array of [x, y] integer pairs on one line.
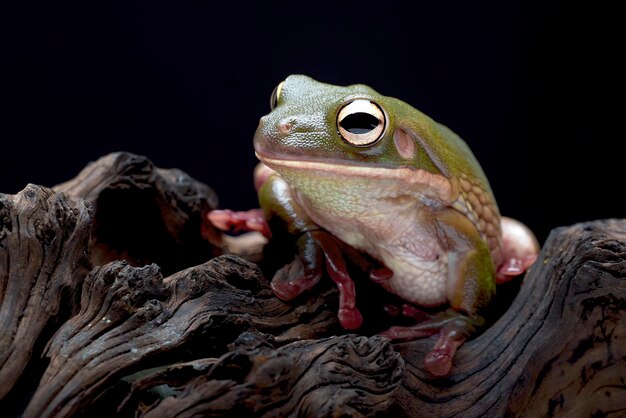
{"points": [[285, 127]]}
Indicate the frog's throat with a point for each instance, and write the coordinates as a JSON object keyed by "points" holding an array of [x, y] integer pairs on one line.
{"points": [[415, 177]]}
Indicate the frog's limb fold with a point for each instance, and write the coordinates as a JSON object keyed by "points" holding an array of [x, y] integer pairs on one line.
{"points": [[380, 275]]}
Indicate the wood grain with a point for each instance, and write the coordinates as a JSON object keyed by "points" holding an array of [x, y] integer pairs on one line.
{"points": [[114, 301]]}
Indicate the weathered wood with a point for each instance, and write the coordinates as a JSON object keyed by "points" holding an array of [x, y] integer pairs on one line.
{"points": [[338, 376], [130, 317], [560, 350], [211, 338], [145, 214], [42, 262]]}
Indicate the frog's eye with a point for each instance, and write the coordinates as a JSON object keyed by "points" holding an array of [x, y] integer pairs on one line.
{"points": [[276, 95], [361, 122]]}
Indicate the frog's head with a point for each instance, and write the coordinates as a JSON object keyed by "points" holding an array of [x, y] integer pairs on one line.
{"points": [[354, 125]]}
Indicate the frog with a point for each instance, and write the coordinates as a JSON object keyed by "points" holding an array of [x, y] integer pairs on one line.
{"points": [[357, 177]]}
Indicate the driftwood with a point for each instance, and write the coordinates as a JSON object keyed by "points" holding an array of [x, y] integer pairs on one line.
{"points": [[145, 214], [42, 262], [107, 312]]}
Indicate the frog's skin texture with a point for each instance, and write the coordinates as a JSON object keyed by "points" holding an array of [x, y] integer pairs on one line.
{"points": [[346, 170]]}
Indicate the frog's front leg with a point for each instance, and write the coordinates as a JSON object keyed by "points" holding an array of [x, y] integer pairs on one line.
{"points": [[470, 285], [317, 250], [242, 221]]}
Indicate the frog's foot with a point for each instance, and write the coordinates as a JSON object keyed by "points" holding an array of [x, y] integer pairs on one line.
{"points": [[295, 278], [519, 250], [318, 250], [231, 221], [453, 328]]}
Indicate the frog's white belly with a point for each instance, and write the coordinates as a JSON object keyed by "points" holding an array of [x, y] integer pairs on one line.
{"points": [[409, 248], [418, 264], [419, 281]]}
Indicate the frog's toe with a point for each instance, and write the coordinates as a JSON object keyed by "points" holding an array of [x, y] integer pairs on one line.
{"points": [[294, 279], [231, 221], [350, 318], [439, 362]]}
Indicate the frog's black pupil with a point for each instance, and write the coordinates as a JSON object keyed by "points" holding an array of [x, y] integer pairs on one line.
{"points": [[359, 123]]}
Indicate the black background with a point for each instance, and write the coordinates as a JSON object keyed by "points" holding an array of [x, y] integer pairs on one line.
{"points": [[533, 87]]}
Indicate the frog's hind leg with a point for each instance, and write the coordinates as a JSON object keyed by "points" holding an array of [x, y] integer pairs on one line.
{"points": [[470, 284], [453, 328]]}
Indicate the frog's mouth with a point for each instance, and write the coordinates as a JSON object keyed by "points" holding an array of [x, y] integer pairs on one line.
{"points": [[407, 175]]}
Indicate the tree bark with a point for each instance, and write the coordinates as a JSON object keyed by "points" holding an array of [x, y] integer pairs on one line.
{"points": [[113, 302]]}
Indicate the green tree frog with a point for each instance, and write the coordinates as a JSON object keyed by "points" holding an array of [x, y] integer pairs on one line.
{"points": [[346, 171]]}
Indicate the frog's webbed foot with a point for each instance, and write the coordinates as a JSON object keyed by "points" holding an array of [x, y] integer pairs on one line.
{"points": [[231, 221], [519, 250], [319, 250], [453, 328]]}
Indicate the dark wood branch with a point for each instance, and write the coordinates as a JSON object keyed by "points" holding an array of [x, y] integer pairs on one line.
{"points": [[340, 376], [145, 214], [211, 338], [42, 262], [131, 317]]}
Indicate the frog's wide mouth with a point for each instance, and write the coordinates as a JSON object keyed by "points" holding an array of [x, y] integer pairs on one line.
{"points": [[306, 162], [407, 175]]}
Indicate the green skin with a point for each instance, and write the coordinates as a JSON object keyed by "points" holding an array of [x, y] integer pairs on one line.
{"points": [[420, 213]]}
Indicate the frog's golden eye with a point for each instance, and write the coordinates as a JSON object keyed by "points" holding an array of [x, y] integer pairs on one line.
{"points": [[361, 122], [276, 95]]}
